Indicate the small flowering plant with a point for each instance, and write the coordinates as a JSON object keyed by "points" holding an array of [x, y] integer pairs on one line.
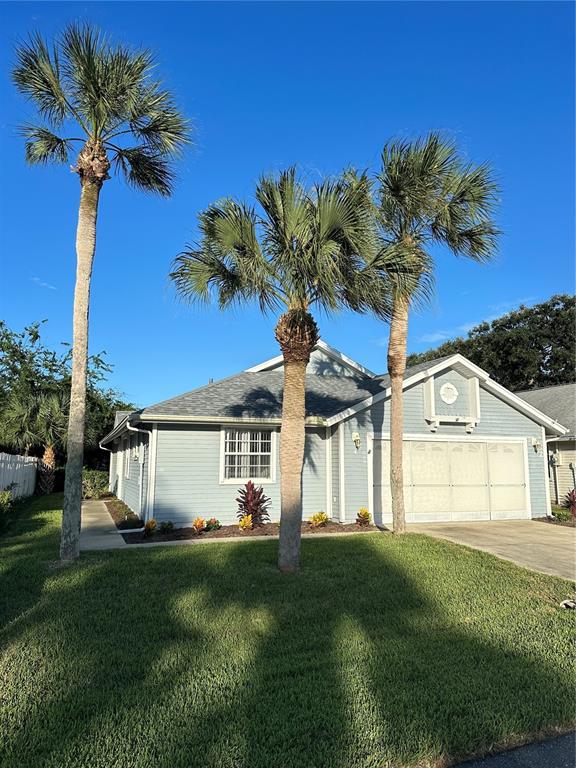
{"points": [[199, 525]]}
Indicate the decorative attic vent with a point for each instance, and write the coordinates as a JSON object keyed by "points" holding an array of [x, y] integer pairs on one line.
{"points": [[457, 411]]}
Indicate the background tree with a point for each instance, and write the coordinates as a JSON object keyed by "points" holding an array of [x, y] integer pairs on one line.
{"points": [[34, 399], [426, 195], [528, 348], [301, 249], [103, 98]]}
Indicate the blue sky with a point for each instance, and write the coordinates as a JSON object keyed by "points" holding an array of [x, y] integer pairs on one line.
{"points": [[322, 85]]}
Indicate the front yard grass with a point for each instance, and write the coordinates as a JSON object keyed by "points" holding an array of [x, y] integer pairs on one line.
{"points": [[383, 652]]}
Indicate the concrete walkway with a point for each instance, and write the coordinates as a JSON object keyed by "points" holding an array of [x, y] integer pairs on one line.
{"points": [[98, 528], [539, 546], [559, 752]]}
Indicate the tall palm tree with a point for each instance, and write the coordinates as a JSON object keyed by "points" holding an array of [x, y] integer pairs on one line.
{"points": [[427, 195], [104, 99], [300, 249]]}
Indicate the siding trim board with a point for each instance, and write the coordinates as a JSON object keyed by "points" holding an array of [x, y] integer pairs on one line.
{"points": [[341, 474], [328, 440]]}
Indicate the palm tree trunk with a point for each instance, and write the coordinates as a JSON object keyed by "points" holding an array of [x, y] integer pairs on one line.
{"points": [[396, 368], [85, 247], [292, 437], [297, 333]]}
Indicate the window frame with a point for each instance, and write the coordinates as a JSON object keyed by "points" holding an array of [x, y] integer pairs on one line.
{"points": [[248, 428]]}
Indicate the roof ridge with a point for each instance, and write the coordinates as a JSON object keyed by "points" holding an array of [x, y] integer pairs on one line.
{"points": [[548, 386]]}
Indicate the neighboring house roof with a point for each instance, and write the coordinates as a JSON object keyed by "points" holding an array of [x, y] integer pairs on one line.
{"points": [[257, 396], [558, 402]]}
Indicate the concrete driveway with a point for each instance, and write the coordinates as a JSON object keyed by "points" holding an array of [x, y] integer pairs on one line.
{"points": [[532, 544]]}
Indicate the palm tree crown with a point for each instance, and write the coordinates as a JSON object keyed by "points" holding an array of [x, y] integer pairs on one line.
{"points": [[83, 85], [301, 248], [427, 195]]}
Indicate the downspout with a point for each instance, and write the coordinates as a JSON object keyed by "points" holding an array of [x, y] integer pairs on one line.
{"points": [[141, 462], [102, 448]]}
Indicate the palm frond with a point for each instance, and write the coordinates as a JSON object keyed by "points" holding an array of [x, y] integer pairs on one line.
{"points": [[37, 75], [43, 146], [145, 169]]}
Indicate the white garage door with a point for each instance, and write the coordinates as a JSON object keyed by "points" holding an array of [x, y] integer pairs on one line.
{"points": [[451, 480]]}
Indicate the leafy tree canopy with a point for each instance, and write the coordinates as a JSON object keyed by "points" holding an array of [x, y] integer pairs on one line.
{"points": [[528, 348], [34, 388]]}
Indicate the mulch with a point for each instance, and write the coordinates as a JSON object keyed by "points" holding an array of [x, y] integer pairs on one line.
{"points": [[555, 521], [232, 531]]}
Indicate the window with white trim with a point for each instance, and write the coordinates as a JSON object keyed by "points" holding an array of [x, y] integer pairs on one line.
{"points": [[248, 454]]}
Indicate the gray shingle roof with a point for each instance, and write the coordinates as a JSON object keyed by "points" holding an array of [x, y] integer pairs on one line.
{"points": [[558, 402], [259, 395]]}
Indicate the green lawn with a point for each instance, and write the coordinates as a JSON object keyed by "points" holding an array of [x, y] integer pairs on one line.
{"points": [[383, 652]]}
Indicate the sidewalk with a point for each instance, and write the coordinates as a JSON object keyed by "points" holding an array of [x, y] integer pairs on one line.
{"points": [[98, 529]]}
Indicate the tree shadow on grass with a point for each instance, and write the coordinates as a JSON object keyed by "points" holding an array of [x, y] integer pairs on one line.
{"points": [[208, 656]]}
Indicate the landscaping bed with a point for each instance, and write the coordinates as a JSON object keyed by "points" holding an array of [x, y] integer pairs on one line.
{"points": [[227, 531], [556, 521], [122, 515]]}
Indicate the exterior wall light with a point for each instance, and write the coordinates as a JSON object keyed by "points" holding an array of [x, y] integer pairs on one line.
{"points": [[536, 444], [356, 440]]}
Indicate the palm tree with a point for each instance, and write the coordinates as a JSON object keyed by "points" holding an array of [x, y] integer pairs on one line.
{"points": [[426, 196], [301, 249], [34, 417], [104, 99]]}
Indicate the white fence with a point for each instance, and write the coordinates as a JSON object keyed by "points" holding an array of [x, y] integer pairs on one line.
{"points": [[20, 470]]}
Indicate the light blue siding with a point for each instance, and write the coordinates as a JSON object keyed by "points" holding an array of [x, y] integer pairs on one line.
{"points": [[462, 405], [134, 488], [497, 419], [188, 476], [314, 473]]}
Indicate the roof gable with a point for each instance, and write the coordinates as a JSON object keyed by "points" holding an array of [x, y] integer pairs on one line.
{"points": [[325, 351]]}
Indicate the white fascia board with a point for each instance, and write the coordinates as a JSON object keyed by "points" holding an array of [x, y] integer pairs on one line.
{"points": [[272, 363], [483, 376], [332, 352], [335, 354], [525, 408]]}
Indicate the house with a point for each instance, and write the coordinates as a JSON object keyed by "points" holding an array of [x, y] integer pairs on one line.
{"points": [[560, 403], [473, 449]]}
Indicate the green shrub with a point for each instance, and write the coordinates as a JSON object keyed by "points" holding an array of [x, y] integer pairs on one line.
{"points": [[562, 514], [5, 507], [166, 526], [94, 483], [213, 524]]}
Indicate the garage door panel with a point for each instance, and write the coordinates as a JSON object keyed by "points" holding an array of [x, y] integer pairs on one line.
{"points": [[508, 498], [430, 463], [454, 480], [468, 464], [470, 503], [431, 500], [505, 463]]}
